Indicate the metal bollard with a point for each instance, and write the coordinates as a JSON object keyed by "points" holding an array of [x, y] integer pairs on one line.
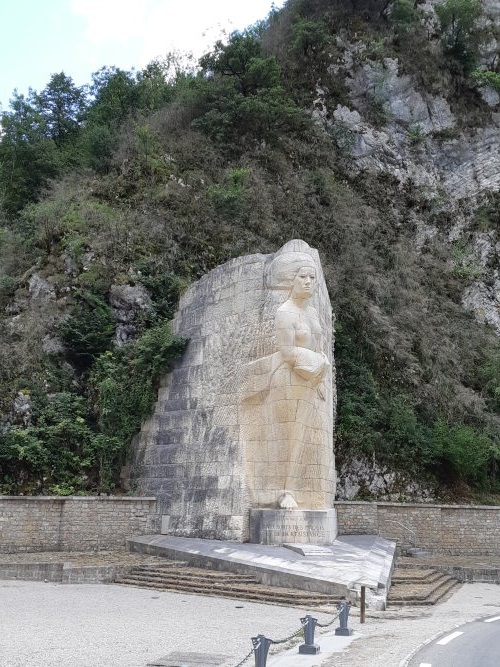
{"points": [[309, 625], [343, 630], [261, 646]]}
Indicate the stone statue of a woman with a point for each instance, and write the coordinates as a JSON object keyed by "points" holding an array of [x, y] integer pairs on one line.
{"points": [[287, 423]]}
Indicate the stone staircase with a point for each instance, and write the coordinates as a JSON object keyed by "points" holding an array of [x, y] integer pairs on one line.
{"points": [[416, 585], [181, 577]]}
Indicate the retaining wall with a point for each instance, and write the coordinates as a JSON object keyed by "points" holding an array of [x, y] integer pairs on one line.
{"points": [[451, 529], [74, 523]]}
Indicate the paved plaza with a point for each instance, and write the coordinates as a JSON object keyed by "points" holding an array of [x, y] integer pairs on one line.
{"points": [[58, 625]]}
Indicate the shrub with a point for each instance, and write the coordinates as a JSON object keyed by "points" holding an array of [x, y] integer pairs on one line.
{"points": [[125, 381], [244, 96], [466, 451], [488, 77], [459, 29], [229, 200], [88, 330], [405, 16]]}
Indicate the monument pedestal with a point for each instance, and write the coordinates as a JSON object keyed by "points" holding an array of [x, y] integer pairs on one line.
{"points": [[269, 526]]}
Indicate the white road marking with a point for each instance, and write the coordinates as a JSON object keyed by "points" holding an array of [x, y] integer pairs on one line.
{"points": [[425, 664], [449, 638], [490, 620]]}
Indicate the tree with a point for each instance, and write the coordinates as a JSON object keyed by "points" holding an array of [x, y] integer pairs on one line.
{"points": [[459, 28], [243, 95], [61, 105], [28, 156]]}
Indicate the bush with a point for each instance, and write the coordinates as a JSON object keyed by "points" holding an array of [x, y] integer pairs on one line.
{"points": [[126, 380], [88, 330], [488, 77], [405, 16], [230, 200], [244, 97], [467, 452], [461, 35]]}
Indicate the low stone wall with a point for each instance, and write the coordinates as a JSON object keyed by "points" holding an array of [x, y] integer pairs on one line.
{"points": [[75, 523], [451, 529]]}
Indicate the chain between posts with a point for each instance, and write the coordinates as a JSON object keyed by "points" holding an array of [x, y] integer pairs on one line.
{"points": [[327, 625], [248, 656], [287, 639]]}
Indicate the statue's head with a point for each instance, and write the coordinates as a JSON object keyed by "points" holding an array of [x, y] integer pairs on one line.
{"points": [[286, 268]]}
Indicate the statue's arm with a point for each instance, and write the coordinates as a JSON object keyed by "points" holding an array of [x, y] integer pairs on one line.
{"points": [[285, 337]]}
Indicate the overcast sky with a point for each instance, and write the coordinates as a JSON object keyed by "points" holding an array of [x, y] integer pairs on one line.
{"points": [[44, 37]]}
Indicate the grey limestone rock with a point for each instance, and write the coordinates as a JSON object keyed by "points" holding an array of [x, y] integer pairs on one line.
{"points": [[40, 289], [128, 302], [21, 409]]}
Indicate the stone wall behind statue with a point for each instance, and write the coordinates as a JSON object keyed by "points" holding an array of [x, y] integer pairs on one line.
{"points": [[460, 530], [79, 523], [189, 453]]}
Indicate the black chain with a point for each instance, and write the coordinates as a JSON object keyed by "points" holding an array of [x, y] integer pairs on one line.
{"points": [[287, 639], [284, 641], [327, 625], [245, 659]]}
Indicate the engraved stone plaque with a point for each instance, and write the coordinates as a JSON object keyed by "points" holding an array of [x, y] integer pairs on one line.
{"points": [[293, 526]]}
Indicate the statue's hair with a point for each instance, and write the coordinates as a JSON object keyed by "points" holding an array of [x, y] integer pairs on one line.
{"points": [[285, 267]]}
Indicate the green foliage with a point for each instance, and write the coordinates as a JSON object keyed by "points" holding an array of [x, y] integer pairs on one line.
{"points": [[74, 444], [416, 134], [387, 428], [246, 97], [62, 106], [490, 377], [466, 451], [229, 200], [405, 16], [488, 77], [309, 37], [165, 288], [51, 451], [126, 381], [341, 135], [459, 29], [88, 329], [465, 263], [28, 157]]}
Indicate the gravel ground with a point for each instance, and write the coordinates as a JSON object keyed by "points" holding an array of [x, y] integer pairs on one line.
{"points": [[86, 625], [388, 639], [57, 625]]}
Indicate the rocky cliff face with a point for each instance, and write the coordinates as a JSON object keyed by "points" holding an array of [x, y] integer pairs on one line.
{"points": [[419, 140]]}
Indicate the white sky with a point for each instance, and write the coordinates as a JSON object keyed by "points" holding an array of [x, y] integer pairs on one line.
{"points": [[43, 37]]}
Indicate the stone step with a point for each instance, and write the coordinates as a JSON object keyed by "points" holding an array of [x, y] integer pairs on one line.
{"points": [[287, 597], [187, 575], [167, 565], [412, 594], [414, 575], [215, 583]]}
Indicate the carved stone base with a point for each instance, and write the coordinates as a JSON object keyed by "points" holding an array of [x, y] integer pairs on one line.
{"points": [[295, 526]]}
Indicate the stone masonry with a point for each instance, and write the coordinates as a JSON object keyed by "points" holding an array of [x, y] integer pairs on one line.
{"points": [[449, 529], [51, 523], [194, 453]]}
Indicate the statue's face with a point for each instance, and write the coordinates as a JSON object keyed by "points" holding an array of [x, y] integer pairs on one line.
{"points": [[304, 282]]}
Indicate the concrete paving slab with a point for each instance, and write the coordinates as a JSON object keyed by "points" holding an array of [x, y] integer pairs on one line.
{"points": [[329, 645], [351, 561]]}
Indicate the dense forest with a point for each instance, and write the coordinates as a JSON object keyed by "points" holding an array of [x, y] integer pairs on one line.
{"points": [[146, 180]]}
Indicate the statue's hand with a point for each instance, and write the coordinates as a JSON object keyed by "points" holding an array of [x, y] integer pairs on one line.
{"points": [[310, 365]]}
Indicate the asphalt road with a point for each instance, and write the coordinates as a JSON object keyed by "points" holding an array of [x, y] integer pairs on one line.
{"points": [[475, 644]]}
